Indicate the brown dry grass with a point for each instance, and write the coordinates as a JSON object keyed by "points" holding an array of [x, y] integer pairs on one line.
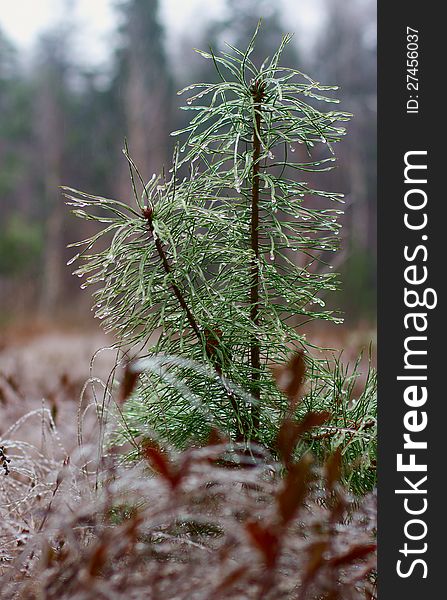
{"points": [[81, 523]]}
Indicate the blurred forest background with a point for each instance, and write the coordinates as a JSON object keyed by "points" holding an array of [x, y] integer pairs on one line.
{"points": [[63, 121]]}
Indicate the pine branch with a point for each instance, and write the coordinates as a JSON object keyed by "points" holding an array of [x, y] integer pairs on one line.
{"points": [[147, 213]]}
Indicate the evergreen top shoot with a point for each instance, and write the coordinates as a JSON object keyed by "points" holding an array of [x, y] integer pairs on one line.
{"points": [[223, 260]]}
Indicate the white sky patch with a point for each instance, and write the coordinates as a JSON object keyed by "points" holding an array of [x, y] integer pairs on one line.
{"points": [[94, 21], [22, 20], [182, 15], [303, 18], [93, 24]]}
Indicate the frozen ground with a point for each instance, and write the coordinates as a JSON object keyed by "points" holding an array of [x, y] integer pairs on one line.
{"points": [[49, 369]]}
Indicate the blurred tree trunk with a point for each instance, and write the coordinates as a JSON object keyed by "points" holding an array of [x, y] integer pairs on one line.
{"points": [[346, 53], [146, 81], [53, 255], [51, 94], [147, 118]]}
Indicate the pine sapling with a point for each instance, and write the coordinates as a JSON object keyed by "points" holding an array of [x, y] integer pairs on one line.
{"points": [[214, 271]]}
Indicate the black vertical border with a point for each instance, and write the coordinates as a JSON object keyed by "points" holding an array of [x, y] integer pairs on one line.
{"points": [[398, 133]]}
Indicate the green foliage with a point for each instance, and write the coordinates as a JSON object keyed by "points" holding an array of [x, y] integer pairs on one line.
{"points": [[204, 266], [358, 283], [351, 398], [15, 121], [20, 246]]}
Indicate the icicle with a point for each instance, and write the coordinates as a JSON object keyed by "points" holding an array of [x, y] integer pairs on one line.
{"points": [[71, 261]]}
